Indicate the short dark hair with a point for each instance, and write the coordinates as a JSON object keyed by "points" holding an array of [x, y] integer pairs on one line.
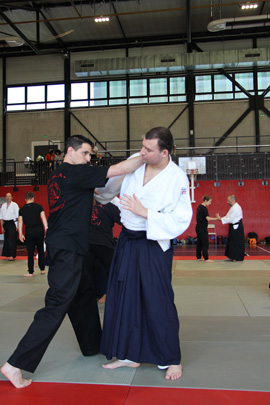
{"points": [[164, 137], [207, 197], [29, 195], [76, 141]]}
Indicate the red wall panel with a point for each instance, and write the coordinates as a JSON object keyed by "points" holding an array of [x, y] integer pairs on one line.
{"points": [[253, 197]]}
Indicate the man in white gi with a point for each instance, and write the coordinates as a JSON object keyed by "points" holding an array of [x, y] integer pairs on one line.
{"points": [[9, 221], [141, 323], [235, 248]]}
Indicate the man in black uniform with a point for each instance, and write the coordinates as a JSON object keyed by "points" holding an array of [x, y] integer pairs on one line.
{"points": [[70, 196], [35, 222], [202, 218]]}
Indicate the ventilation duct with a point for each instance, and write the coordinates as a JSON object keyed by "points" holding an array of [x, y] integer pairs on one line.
{"points": [[131, 65], [239, 22], [173, 63], [11, 41]]}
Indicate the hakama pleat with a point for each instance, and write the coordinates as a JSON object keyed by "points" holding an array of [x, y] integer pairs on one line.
{"points": [[141, 322], [235, 248]]}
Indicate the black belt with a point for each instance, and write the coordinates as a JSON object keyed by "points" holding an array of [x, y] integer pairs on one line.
{"points": [[10, 220]]}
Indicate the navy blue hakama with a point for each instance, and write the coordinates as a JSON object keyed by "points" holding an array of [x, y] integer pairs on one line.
{"points": [[141, 322]]}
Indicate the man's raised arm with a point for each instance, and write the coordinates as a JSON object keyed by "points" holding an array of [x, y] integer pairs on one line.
{"points": [[125, 167]]}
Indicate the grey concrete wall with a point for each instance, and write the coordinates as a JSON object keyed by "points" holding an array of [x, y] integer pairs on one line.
{"points": [[24, 128]]}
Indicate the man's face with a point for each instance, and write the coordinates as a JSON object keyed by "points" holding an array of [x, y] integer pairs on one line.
{"points": [[207, 203], [229, 201], [81, 155], [151, 153], [8, 197]]}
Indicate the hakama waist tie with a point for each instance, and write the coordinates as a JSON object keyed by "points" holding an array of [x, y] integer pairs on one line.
{"points": [[125, 235]]}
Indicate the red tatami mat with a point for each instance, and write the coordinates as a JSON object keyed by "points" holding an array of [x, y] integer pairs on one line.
{"points": [[71, 394]]}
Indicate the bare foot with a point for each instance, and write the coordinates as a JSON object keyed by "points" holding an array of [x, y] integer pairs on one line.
{"points": [[42, 271], [209, 261], [14, 375], [28, 275], [174, 372], [10, 259], [103, 298], [121, 363], [228, 260]]}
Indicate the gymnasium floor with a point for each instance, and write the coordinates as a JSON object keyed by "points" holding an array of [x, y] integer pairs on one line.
{"points": [[224, 311]]}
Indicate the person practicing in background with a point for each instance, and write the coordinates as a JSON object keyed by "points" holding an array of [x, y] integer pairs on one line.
{"points": [[35, 222], [9, 219], [101, 241], [70, 197], [141, 323], [235, 248], [202, 218]]}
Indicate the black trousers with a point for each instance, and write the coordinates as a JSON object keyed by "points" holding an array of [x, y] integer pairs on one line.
{"points": [[99, 263], [70, 292], [35, 239], [202, 243], [10, 239]]}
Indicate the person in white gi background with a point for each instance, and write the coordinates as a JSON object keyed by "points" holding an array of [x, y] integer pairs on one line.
{"points": [[141, 323], [9, 221], [235, 248]]}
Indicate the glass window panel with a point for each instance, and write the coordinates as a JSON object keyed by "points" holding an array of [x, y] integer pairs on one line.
{"points": [[240, 95], [79, 91], [37, 106], [35, 94], [176, 99], [78, 104], [177, 85], [142, 100], [98, 103], [138, 87], [203, 84], [55, 92], [118, 88], [202, 97], [245, 79], [223, 96], [158, 87], [15, 95], [18, 107], [158, 99], [221, 83], [56, 105], [263, 80], [118, 101], [98, 90]]}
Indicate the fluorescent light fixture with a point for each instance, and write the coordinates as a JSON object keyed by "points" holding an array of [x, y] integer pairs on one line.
{"points": [[248, 5], [102, 19]]}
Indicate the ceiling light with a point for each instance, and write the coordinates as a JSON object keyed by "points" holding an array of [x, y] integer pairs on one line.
{"points": [[248, 5], [102, 19]]}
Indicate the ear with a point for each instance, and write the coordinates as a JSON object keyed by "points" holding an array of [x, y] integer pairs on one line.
{"points": [[70, 150], [165, 153]]}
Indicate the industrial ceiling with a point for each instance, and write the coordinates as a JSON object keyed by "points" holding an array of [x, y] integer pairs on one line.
{"points": [[60, 26]]}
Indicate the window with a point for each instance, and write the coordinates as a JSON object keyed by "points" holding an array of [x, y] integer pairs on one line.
{"points": [[263, 82], [35, 94]]}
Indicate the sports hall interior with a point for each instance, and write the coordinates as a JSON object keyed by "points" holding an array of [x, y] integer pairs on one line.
{"points": [[200, 68]]}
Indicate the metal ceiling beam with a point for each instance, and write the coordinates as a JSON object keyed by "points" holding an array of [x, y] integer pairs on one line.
{"points": [[10, 23], [47, 23]]}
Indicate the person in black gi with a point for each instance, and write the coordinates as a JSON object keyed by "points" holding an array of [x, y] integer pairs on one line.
{"points": [[202, 218], [35, 222], [102, 243], [70, 196]]}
